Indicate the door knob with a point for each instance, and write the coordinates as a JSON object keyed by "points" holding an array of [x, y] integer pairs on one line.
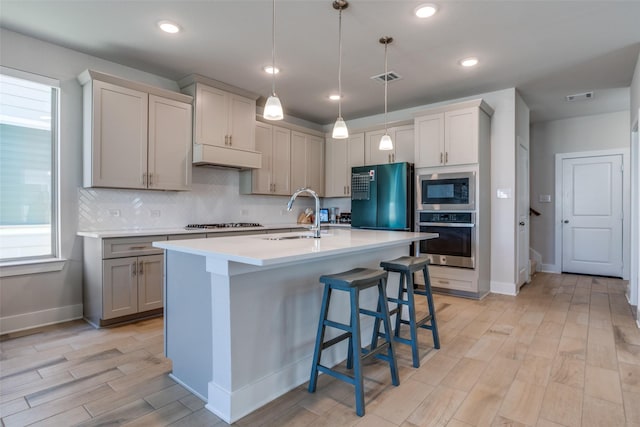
{"points": [[566, 221], [521, 223]]}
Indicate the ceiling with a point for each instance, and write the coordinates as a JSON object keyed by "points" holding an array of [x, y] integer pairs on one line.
{"points": [[546, 49]]}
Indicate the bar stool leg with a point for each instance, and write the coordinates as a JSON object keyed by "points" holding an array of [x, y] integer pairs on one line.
{"points": [[324, 310], [432, 311], [412, 320], [401, 291], [393, 366], [355, 351]]}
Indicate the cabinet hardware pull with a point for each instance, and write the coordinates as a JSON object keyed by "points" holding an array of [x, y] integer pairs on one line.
{"points": [[230, 139], [393, 157], [440, 157], [144, 179], [348, 189], [446, 157], [226, 140], [134, 269], [150, 179], [137, 248], [141, 271]]}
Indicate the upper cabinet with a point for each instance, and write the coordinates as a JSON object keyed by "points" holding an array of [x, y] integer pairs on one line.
{"points": [[223, 125], [307, 162], [273, 176], [403, 146], [135, 136], [452, 135], [341, 156]]}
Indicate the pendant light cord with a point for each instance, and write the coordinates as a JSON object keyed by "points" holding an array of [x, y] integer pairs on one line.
{"points": [[340, 63], [273, 49], [386, 82]]}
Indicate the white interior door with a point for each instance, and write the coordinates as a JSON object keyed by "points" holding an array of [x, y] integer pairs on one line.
{"points": [[523, 215], [592, 215]]}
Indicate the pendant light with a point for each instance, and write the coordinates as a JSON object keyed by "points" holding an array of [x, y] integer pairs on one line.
{"points": [[386, 143], [273, 107], [340, 130]]}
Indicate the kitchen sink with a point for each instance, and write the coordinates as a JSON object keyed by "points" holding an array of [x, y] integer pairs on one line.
{"points": [[301, 236]]}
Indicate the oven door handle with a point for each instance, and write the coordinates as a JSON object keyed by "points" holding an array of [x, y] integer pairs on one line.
{"points": [[446, 224]]}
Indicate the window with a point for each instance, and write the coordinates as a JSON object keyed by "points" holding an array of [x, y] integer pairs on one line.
{"points": [[28, 185]]}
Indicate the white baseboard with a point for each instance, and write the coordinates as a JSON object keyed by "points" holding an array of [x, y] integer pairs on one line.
{"points": [[35, 319], [550, 268], [503, 288]]}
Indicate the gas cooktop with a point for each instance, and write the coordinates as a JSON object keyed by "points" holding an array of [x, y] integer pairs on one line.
{"points": [[223, 225]]}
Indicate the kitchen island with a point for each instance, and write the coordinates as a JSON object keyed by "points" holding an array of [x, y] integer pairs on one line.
{"points": [[241, 312]]}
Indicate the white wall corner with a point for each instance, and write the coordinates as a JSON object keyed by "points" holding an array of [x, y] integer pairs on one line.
{"points": [[36, 319], [503, 288], [550, 268]]}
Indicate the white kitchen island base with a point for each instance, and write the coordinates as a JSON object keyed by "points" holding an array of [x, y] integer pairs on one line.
{"points": [[240, 330]]}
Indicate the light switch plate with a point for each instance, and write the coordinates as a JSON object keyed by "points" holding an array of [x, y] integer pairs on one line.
{"points": [[544, 198], [503, 193]]}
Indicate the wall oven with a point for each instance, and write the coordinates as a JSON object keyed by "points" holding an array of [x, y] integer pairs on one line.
{"points": [[446, 191], [455, 245]]}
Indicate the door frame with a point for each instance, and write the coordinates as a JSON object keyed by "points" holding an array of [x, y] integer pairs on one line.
{"points": [[560, 157]]}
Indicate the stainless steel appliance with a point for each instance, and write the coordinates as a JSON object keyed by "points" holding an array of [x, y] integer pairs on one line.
{"points": [[382, 196], [222, 225], [446, 191], [455, 245]]}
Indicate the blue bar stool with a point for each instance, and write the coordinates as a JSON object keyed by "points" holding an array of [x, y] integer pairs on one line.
{"points": [[406, 266], [353, 281]]}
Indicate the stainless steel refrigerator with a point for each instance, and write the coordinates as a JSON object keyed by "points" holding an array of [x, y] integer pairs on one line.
{"points": [[382, 196]]}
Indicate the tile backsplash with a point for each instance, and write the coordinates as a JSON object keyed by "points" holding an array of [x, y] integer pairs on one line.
{"points": [[214, 198]]}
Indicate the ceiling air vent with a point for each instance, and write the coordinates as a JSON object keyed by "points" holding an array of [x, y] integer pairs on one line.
{"points": [[390, 77], [579, 96]]}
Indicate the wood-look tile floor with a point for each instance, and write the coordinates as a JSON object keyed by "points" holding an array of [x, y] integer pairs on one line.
{"points": [[564, 352]]}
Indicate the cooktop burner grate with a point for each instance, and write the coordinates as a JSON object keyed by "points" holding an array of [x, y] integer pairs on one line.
{"points": [[223, 225]]}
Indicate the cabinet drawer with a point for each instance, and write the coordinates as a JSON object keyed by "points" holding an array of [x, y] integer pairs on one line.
{"points": [[457, 284], [130, 246], [187, 236]]}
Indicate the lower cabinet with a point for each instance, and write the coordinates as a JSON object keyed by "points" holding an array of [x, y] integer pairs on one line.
{"points": [[132, 285], [123, 279]]}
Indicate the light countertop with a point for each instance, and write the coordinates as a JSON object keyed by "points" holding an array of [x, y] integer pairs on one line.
{"points": [[105, 234], [263, 250]]}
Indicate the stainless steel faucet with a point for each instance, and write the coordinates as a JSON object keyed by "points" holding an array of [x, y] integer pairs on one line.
{"points": [[316, 221]]}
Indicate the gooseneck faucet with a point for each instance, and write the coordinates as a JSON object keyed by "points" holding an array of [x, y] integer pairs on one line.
{"points": [[316, 221]]}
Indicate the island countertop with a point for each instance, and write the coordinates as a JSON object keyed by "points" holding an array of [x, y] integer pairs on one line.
{"points": [[275, 249]]}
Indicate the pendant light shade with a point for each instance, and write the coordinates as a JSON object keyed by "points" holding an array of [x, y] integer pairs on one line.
{"points": [[273, 107], [386, 143], [340, 130]]}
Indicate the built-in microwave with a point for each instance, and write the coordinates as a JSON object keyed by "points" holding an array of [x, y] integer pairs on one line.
{"points": [[446, 191]]}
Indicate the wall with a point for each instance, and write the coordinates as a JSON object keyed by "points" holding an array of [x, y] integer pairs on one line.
{"points": [[522, 138], [635, 184], [588, 133], [635, 94], [35, 299]]}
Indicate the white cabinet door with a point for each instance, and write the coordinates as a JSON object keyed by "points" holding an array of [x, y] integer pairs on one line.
{"points": [[169, 162], [315, 164], [298, 160], [372, 155], [119, 287], [461, 136], [356, 157], [281, 164], [336, 168], [429, 140], [119, 137], [242, 120], [403, 144], [150, 282], [211, 116], [261, 178]]}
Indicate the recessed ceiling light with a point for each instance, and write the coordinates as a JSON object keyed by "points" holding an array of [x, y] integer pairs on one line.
{"points": [[426, 10], [169, 27], [270, 70], [334, 97], [469, 62]]}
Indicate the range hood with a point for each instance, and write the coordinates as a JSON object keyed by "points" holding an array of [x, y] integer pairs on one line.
{"points": [[214, 155]]}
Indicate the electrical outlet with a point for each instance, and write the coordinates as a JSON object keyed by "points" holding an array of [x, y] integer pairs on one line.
{"points": [[155, 213], [114, 212]]}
